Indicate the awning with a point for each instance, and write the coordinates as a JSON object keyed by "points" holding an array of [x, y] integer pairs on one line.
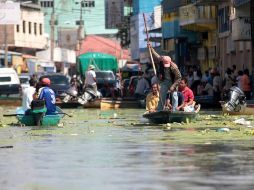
{"points": [[101, 61]]}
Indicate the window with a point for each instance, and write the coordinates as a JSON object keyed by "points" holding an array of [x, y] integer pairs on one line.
{"points": [[17, 28], [40, 29], [5, 79], [29, 27], [24, 26], [35, 28], [88, 4], [224, 22], [47, 4]]}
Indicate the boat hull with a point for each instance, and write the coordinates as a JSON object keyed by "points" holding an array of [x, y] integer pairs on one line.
{"points": [[162, 117], [245, 110], [47, 120], [116, 104]]}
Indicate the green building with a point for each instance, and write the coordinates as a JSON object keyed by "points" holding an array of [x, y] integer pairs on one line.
{"points": [[68, 14]]}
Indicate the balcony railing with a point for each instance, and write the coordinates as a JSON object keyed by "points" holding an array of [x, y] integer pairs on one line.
{"points": [[197, 15]]}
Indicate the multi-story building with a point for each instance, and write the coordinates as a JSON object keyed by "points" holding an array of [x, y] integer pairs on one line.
{"points": [[90, 14], [138, 36], [27, 36], [180, 44], [234, 35]]}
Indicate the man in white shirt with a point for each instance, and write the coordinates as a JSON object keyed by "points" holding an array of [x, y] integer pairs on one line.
{"points": [[27, 95], [90, 80]]}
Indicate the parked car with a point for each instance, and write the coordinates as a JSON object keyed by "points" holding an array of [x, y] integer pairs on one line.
{"points": [[105, 77], [9, 81], [59, 83]]}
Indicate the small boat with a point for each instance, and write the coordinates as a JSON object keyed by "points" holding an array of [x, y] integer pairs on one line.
{"points": [[244, 110], [43, 120], [162, 117], [120, 103]]}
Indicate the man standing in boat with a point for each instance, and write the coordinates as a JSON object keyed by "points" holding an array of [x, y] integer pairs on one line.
{"points": [[167, 73], [90, 80], [47, 94]]}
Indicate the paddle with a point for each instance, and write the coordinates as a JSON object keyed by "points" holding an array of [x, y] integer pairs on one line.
{"points": [[11, 115]]}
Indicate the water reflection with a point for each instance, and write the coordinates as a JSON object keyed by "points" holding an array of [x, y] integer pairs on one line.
{"points": [[95, 150]]}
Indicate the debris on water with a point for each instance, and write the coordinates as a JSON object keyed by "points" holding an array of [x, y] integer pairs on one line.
{"points": [[249, 132], [224, 129], [60, 125], [249, 126], [168, 124], [242, 121], [74, 134], [115, 115]]}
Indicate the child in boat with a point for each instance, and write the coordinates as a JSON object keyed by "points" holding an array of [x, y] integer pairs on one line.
{"points": [[174, 100], [189, 104]]}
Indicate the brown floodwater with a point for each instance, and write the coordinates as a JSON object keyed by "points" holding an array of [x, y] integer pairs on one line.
{"points": [[118, 149]]}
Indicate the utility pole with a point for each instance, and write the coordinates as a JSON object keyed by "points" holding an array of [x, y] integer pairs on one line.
{"points": [[81, 26], [52, 34], [5, 46], [252, 41]]}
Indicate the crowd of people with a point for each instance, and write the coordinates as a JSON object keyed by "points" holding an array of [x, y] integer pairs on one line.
{"points": [[167, 90]]}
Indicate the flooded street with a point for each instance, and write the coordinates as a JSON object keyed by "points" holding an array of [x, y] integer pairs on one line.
{"points": [[118, 149]]}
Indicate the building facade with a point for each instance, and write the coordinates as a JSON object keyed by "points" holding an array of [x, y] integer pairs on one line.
{"points": [[70, 14], [137, 28]]}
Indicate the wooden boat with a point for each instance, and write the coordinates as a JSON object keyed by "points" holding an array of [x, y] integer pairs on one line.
{"points": [[161, 117], [45, 120], [245, 110], [119, 103], [93, 104]]}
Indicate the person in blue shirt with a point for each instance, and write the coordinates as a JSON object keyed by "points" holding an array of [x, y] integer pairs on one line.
{"points": [[47, 94]]}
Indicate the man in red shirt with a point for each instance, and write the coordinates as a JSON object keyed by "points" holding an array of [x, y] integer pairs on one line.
{"points": [[188, 95]]}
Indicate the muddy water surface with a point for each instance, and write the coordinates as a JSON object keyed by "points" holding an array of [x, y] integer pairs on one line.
{"points": [[119, 150]]}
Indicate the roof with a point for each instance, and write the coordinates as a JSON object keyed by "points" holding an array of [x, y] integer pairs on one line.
{"points": [[93, 43]]}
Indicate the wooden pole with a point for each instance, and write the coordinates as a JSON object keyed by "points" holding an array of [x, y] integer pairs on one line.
{"points": [[149, 48]]}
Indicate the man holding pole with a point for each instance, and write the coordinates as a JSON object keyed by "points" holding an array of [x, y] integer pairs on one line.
{"points": [[167, 73]]}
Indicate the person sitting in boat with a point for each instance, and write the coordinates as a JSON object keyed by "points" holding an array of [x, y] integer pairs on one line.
{"points": [[28, 95], [174, 100], [47, 94], [152, 99], [167, 73], [189, 103]]}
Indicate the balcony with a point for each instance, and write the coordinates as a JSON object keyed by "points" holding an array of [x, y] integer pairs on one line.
{"points": [[198, 18]]}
